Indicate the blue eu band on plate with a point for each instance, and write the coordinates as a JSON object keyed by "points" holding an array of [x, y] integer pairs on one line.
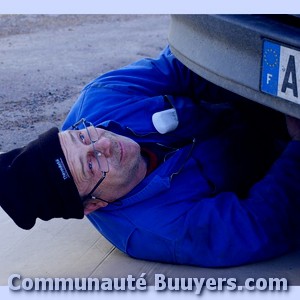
{"points": [[280, 71]]}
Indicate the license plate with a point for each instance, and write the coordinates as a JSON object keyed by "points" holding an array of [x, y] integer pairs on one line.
{"points": [[280, 73]]}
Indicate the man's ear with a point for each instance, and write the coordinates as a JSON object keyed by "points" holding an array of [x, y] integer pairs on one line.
{"points": [[93, 205]]}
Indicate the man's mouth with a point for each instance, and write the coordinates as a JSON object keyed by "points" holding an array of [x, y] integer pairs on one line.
{"points": [[121, 151]]}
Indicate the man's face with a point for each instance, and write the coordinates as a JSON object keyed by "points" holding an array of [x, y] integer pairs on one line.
{"points": [[126, 165]]}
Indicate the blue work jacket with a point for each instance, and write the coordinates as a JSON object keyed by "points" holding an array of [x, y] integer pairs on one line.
{"points": [[228, 191]]}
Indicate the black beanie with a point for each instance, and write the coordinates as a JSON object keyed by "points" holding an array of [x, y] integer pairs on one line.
{"points": [[35, 182]]}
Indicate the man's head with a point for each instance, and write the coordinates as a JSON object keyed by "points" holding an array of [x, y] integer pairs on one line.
{"points": [[105, 166], [55, 175]]}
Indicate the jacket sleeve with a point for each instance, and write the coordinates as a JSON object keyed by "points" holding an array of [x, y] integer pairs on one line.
{"points": [[225, 230], [153, 76]]}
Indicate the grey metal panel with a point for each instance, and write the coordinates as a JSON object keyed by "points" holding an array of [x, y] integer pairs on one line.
{"points": [[227, 50]]}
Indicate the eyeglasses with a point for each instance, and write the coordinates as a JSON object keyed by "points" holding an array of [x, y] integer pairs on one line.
{"points": [[90, 138]]}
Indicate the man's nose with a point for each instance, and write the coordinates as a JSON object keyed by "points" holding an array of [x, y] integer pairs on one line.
{"points": [[104, 145]]}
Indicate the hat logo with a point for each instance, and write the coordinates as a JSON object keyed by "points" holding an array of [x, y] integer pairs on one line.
{"points": [[62, 168]]}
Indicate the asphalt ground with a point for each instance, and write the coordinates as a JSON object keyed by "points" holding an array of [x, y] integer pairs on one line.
{"points": [[45, 60]]}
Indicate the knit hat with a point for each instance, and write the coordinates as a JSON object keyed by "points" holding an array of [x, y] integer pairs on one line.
{"points": [[35, 182]]}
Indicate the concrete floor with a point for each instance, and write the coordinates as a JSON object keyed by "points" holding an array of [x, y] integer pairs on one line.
{"points": [[44, 62], [61, 248]]}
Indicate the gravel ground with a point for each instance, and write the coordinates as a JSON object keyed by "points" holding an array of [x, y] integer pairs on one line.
{"points": [[45, 60]]}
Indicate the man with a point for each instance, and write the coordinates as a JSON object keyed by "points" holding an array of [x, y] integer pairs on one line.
{"points": [[175, 170]]}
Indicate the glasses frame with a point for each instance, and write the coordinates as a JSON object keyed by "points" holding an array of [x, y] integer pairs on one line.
{"points": [[87, 124]]}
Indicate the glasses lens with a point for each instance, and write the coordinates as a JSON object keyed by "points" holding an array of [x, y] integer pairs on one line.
{"points": [[93, 138], [102, 161], [92, 133]]}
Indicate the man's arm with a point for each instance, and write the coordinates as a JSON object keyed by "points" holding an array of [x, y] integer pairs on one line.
{"points": [[143, 85], [233, 231]]}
